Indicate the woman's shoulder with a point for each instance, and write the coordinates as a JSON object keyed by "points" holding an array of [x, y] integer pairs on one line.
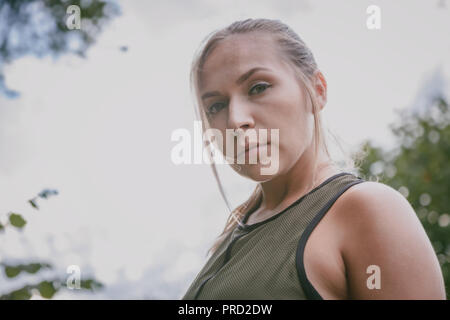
{"points": [[368, 190], [373, 202], [379, 228]]}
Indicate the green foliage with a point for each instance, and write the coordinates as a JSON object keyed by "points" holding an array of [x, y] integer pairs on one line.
{"points": [[46, 288], [20, 294], [89, 284], [419, 169], [16, 220], [12, 271], [38, 27]]}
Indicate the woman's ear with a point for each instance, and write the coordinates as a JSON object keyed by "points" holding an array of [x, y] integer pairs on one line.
{"points": [[320, 85]]}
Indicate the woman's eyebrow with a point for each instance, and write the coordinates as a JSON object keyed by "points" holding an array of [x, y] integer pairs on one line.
{"points": [[240, 80]]}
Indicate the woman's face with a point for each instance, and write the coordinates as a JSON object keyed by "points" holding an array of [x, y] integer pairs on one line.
{"points": [[270, 98]]}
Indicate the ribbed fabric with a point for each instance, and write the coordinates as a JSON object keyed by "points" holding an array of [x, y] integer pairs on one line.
{"points": [[265, 260]]}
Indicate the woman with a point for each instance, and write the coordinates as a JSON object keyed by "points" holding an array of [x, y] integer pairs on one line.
{"points": [[309, 230]]}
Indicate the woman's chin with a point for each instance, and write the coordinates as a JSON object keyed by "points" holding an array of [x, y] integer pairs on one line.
{"points": [[255, 172]]}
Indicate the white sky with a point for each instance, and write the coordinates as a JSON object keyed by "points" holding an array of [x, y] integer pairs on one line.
{"points": [[98, 130]]}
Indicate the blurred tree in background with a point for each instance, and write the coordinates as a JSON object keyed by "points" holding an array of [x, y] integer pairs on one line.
{"points": [[39, 28], [419, 169], [47, 287]]}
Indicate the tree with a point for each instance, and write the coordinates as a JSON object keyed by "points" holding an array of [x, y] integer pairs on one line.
{"points": [[47, 288], [419, 169], [40, 28]]}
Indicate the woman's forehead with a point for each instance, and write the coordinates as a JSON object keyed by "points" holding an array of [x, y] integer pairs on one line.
{"points": [[232, 58], [240, 49]]}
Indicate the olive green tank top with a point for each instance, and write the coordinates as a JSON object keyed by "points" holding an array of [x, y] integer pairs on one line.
{"points": [[264, 260]]}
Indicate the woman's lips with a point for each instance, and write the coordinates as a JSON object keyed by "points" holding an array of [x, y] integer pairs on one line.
{"points": [[253, 149]]}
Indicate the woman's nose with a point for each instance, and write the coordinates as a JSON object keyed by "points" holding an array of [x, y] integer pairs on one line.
{"points": [[240, 115]]}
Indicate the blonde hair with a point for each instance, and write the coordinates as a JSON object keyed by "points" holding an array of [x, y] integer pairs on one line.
{"points": [[296, 54]]}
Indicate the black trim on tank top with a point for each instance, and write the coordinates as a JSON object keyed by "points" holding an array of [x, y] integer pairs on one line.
{"points": [[247, 227], [310, 292]]}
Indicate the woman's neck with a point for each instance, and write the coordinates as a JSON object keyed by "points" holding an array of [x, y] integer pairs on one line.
{"points": [[281, 191]]}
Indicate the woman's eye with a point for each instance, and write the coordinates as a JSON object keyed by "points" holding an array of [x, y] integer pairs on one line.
{"points": [[264, 86], [214, 108]]}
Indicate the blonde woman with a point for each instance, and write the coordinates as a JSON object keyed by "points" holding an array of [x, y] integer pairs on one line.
{"points": [[310, 230]]}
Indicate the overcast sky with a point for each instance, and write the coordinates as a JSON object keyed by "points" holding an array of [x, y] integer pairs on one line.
{"points": [[99, 130]]}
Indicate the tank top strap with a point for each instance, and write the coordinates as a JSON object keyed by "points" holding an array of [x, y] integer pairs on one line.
{"points": [[308, 288]]}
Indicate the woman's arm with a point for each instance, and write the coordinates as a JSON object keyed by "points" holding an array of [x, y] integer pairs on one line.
{"points": [[386, 252]]}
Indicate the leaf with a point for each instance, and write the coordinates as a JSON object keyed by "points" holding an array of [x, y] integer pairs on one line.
{"points": [[47, 193], [90, 284], [35, 267], [12, 271], [32, 267], [21, 294], [33, 203], [16, 220], [46, 289]]}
